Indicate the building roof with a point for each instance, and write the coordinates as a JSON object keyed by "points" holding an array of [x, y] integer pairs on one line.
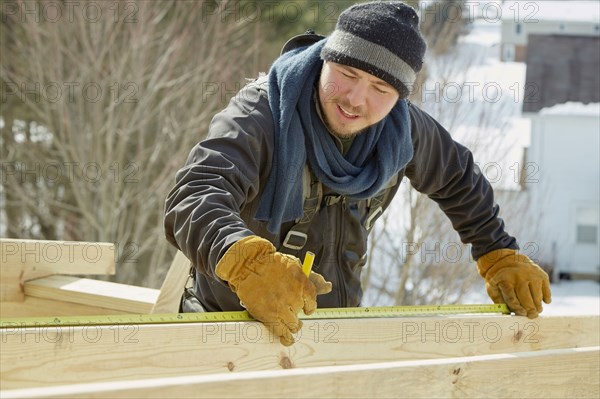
{"points": [[573, 108], [561, 68], [551, 10]]}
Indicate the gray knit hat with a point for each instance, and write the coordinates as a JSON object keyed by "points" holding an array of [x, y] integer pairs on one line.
{"points": [[381, 38]]}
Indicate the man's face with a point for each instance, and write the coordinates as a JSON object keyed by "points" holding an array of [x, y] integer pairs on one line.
{"points": [[352, 100]]}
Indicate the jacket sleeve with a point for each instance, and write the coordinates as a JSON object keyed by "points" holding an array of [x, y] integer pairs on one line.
{"points": [[445, 171], [221, 175]]}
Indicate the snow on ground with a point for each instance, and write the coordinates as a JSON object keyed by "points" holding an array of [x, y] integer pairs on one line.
{"points": [[574, 297], [568, 298]]}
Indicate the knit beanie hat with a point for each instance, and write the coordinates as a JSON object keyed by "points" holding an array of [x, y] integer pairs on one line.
{"points": [[381, 38]]}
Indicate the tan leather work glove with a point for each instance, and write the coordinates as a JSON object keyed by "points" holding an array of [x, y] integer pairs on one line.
{"points": [[271, 285], [513, 279]]}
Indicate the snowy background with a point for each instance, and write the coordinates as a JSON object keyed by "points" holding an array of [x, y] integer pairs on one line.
{"points": [[482, 44], [491, 123], [568, 298]]}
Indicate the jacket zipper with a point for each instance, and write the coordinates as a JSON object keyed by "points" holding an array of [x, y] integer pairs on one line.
{"points": [[343, 294]]}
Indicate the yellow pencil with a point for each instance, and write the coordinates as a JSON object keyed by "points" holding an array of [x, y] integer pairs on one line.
{"points": [[309, 258]]}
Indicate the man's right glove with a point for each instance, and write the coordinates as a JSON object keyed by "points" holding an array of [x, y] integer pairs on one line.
{"points": [[271, 285], [513, 279]]}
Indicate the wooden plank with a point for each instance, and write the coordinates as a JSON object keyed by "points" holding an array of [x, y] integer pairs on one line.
{"points": [[24, 260], [39, 307], [73, 296], [559, 373], [11, 283], [58, 257], [172, 288], [103, 294], [32, 357]]}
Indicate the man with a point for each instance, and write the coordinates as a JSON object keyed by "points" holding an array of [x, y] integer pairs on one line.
{"points": [[308, 157]]}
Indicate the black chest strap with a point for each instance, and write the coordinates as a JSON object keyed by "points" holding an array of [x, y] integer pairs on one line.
{"points": [[297, 236]]}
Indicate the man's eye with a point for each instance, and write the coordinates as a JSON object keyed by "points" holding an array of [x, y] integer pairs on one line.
{"points": [[380, 91], [347, 75]]}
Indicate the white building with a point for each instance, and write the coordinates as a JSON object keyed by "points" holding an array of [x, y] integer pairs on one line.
{"points": [[563, 179]]}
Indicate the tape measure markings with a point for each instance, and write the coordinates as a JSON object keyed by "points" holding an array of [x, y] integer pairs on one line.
{"points": [[328, 313]]}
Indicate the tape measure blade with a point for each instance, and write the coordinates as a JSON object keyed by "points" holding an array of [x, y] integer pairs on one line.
{"points": [[64, 321], [403, 311], [323, 313]]}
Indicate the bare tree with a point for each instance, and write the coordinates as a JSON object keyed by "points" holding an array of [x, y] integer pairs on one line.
{"points": [[116, 94]]}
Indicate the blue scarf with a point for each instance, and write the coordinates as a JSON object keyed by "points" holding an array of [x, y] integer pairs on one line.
{"points": [[376, 155]]}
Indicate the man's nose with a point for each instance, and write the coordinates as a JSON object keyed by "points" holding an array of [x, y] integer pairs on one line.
{"points": [[357, 95]]}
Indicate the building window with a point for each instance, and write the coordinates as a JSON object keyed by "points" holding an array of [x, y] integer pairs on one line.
{"points": [[518, 29], [587, 225]]}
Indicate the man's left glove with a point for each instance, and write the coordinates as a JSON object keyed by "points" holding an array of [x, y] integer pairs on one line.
{"points": [[513, 279]]}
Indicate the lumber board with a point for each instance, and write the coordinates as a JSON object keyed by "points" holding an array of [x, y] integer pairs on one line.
{"points": [[558, 373], [31, 357], [173, 285], [11, 283], [40, 307], [23, 260], [84, 291]]}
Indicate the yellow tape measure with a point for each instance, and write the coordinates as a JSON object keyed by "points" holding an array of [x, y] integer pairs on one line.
{"points": [[331, 313]]}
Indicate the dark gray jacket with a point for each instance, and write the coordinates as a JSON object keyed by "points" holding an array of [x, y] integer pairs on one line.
{"points": [[218, 190]]}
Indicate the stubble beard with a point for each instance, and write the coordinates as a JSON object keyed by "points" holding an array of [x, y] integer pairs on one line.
{"points": [[342, 134]]}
